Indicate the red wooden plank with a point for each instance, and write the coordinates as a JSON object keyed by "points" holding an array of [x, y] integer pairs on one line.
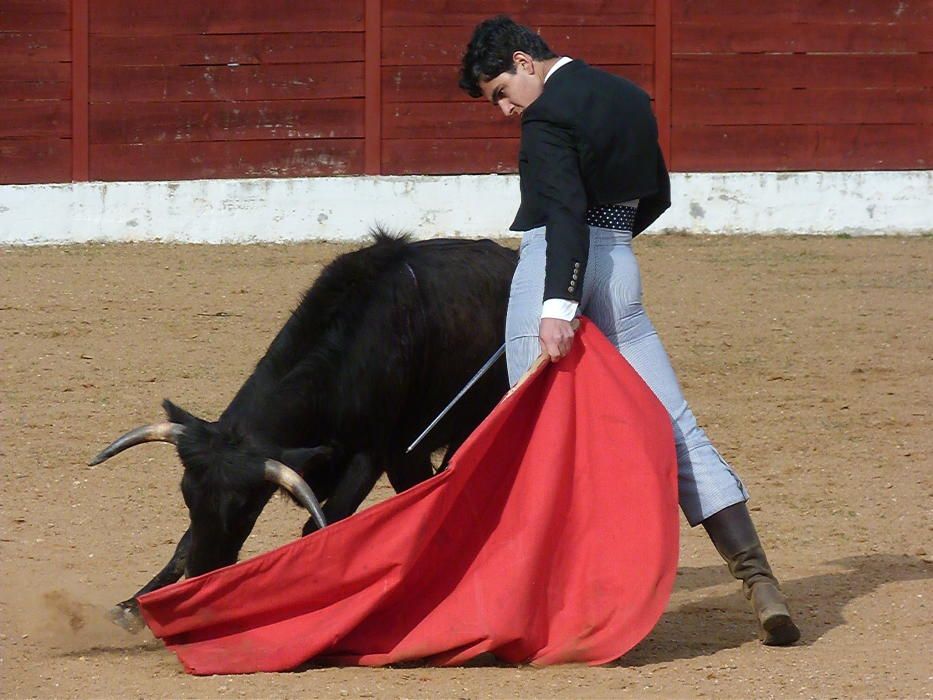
{"points": [[224, 16], [598, 45], [803, 71], [844, 11], [741, 35], [816, 147], [35, 118], [35, 47], [28, 161], [449, 156], [880, 106], [223, 49], [40, 81], [415, 46], [373, 79], [80, 74], [475, 119], [154, 83], [165, 122], [432, 13], [34, 15], [439, 83], [422, 84], [454, 120], [662, 74], [227, 159]]}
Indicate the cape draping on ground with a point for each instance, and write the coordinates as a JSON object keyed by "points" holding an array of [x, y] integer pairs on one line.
{"points": [[552, 537]]}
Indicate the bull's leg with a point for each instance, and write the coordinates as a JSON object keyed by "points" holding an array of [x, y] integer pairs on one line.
{"points": [[357, 480], [126, 614], [410, 470], [452, 447]]}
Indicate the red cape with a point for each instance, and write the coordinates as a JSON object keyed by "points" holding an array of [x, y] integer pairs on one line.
{"points": [[552, 537]]}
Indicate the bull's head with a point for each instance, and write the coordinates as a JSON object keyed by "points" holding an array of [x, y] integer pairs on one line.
{"points": [[227, 481]]}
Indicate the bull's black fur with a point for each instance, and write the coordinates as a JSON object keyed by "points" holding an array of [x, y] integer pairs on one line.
{"points": [[379, 344]]}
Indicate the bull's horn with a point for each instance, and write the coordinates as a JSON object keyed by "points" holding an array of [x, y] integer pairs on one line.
{"points": [[289, 479], [157, 432]]}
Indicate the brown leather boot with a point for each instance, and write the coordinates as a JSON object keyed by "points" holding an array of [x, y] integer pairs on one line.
{"points": [[736, 540]]}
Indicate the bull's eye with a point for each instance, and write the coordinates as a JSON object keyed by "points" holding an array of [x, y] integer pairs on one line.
{"points": [[230, 513], [226, 516]]}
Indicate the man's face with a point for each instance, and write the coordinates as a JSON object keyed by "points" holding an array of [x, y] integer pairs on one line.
{"points": [[514, 92]]}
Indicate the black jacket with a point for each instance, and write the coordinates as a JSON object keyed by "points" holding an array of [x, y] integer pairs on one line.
{"points": [[590, 139]]}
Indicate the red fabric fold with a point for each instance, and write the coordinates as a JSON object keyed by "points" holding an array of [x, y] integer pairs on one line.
{"points": [[552, 537]]}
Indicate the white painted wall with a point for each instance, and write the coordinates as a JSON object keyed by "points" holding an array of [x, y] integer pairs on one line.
{"points": [[344, 208]]}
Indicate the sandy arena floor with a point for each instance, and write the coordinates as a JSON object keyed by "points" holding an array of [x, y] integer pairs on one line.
{"points": [[809, 365]]}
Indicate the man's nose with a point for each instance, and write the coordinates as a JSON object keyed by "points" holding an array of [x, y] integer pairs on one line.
{"points": [[507, 107]]}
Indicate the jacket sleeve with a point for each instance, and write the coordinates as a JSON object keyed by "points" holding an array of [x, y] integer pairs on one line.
{"points": [[553, 171]]}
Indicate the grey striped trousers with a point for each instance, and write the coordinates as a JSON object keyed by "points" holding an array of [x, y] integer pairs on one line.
{"points": [[612, 300]]}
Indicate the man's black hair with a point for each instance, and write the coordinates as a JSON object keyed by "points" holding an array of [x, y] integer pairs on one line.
{"points": [[490, 50]]}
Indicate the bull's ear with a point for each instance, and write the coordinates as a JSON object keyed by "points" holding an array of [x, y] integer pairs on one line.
{"points": [[176, 414], [306, 459]]}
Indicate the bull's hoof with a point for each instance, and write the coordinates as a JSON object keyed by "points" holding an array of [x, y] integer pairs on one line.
{"points": [[126, 615]]}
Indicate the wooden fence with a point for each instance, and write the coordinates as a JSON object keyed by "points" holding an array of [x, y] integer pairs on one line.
{"points": [[176, 89], [802, 85]]}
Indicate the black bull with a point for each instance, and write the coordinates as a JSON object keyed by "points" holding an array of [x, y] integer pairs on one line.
{"points": [[379, 344]]}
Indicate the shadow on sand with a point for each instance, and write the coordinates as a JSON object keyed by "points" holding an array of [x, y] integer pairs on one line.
{"points": [[724, 622]]}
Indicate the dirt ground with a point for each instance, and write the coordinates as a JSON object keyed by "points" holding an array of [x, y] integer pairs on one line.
{"points": [[809, 363]]}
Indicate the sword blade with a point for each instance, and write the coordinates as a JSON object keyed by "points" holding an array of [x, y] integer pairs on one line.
{"points": [[482, 370]]}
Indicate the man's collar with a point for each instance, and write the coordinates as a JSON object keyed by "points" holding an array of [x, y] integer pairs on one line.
{"points": [[562, 61]]}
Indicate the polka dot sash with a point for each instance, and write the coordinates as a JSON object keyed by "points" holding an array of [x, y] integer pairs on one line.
{"points": [[617, 217]]}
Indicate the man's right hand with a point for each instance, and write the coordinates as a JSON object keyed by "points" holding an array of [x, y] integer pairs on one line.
{"points": [[556, 336]]}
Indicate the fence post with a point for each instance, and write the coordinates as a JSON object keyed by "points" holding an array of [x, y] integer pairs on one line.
{"points": [[373, 88], [80, 78], [663, 51]]}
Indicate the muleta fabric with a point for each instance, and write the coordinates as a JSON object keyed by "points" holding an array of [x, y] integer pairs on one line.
{"points": [[552, 537]]}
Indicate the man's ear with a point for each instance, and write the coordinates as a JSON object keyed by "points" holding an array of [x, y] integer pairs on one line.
{"points": [[522, 59], [306, 459]]}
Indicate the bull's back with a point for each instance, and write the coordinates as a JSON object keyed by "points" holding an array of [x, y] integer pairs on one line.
{"points": [[464, 286], [381, 342]]}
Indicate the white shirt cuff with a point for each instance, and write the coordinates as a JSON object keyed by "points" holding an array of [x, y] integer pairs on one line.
{"points": [[564, 309]]}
